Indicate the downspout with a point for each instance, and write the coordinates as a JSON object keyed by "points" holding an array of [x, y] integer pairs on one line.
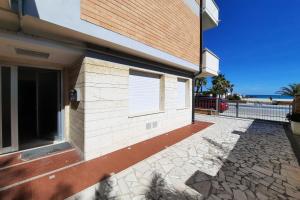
{"points": [[20, 14], [200, 61], [20, 8], [17, 7]]}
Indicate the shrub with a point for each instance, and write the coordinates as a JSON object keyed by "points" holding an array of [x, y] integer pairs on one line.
{"points": [[234, 97]]}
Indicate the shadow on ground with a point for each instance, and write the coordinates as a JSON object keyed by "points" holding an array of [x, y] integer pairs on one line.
{"points": [[260, 166], [104, 189], [158, 190]]}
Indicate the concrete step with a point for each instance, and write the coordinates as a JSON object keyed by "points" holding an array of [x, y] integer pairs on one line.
{"points": [[7, 160], [15, 170]]}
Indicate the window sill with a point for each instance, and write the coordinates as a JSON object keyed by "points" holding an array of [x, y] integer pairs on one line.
{"points": [[185, 108], [145, 114]]}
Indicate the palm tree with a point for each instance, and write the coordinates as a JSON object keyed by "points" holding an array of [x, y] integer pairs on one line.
{"points": [[200, 82], [290, 90], [231, 86], [227, 86], [220, 85]]}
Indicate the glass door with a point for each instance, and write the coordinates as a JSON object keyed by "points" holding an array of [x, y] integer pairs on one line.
{"points": [[8, 109]]}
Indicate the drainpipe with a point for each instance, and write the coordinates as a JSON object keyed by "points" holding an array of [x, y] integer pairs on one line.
{"points": [[20, 8], [200, 61], [17, 7]]}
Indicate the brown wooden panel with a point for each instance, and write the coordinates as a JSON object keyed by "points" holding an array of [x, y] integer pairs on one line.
{"points": [[297, 104]]}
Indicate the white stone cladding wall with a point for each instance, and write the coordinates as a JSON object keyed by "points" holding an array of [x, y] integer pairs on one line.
{"points": [[107, 124], [74, 78]]}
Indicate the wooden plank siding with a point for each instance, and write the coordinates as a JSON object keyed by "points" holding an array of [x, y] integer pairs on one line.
{"points": [[296, 107]]}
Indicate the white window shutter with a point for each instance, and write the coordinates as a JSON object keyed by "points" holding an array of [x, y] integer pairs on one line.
{"points": [[181, 93], [144, 92]]}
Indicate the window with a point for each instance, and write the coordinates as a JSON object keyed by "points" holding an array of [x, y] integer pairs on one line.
{"points": [[144, 92], [182, 93]]}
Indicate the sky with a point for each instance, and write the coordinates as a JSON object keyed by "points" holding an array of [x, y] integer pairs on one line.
{"points": [[258, 43]]}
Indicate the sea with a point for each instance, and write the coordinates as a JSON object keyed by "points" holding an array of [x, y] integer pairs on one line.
{"points": [[267, 96]]}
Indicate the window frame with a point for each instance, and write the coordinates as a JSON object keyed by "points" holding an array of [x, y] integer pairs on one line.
{"points": [[134, 71], [187, 94]]}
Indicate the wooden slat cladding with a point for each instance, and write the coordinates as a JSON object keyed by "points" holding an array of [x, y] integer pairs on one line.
{"points": [[296, 104], [169, 26]]}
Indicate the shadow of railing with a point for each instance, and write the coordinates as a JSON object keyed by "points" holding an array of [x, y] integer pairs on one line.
{"points": [[247, 172]]}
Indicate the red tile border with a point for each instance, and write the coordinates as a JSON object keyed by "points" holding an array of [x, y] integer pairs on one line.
{"points": [[72, 180], [14, 158], [37, 167], [11, 159]]}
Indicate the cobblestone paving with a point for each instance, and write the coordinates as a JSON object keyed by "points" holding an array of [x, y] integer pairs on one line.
{"points": [[233, 159]]}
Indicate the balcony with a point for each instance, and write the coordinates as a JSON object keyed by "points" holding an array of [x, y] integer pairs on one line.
{"points": [[8, 17], [210, 66], [210, 14]]}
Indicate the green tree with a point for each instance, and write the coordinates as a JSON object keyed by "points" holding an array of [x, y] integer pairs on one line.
{"points": [[290, 90], [219, 85], [231, 86], [200, 83]]}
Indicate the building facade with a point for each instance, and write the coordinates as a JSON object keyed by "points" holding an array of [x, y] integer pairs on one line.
{"points": [[99, 74]]}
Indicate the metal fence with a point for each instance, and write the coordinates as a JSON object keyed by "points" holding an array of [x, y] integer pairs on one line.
{"points": [[204, 103], [258, 110], [251, 110]]}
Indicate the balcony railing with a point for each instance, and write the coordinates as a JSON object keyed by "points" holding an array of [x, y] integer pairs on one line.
{"points": [[210, 14], [210, 66]]}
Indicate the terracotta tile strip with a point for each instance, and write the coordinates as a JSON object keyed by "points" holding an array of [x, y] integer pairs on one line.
{"points": [[15, 158], [30, 169], [6, 160], [67, 182]]}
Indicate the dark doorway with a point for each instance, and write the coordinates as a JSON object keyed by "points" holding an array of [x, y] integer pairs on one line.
{"points": [[38, 107], [5, 103]]}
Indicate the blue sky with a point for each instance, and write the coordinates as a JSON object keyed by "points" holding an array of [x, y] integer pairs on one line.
{"points": [[258, 42]]}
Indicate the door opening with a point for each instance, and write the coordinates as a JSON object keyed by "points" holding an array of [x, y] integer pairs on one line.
{"points": [[8, 109], [38, 107]]}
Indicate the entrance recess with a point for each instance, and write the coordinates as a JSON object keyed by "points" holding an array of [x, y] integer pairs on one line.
{"points": [[8, 109], [30, 108], [39, 107]]}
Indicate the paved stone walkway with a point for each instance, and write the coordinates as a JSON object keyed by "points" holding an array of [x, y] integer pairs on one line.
{"points": [[233, 159]]}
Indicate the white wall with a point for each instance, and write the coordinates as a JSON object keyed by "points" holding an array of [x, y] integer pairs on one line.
{"points": [[66, 13], [107, 124], [210, 63], [211, 7], [74, 112]]}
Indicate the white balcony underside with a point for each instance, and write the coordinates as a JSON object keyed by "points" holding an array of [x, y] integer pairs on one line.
{"points": [[210, 66], [210, 15], [207, 72]]}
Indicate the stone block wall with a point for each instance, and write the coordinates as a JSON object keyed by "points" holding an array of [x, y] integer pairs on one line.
{"points": [[103, 114], [74, 112]]}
